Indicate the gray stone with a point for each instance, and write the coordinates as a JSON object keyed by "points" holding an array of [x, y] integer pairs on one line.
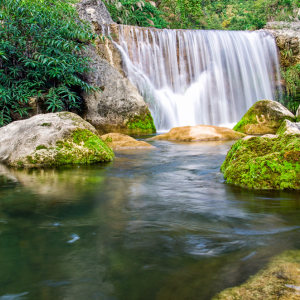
{"points": [[51, 139], [117, 103], [288, 127], [93, 11]]}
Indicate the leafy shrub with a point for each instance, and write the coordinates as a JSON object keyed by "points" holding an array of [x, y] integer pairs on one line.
{"points": [[135, 12], [41, 42]]}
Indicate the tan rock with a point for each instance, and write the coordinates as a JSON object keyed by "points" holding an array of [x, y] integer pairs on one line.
{"points": [[119, 141], [199, 133]]}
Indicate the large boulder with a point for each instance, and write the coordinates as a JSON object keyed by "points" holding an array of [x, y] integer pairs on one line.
{"points": [[119, 141], [268, 162], [50, 140], [117, 106], [265, 116], [199, 133]]}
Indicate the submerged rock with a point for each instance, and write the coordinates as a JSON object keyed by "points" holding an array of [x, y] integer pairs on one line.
{"points": [[279, 280], [265, 116], [266, 162], [288, 127], [50, 140], [118, 141], [199, 133]]}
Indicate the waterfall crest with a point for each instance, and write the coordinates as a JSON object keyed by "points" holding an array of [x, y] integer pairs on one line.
{"points": [[191, 77]]}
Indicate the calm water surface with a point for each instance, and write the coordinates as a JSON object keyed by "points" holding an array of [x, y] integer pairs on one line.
{"points": [[156, 224]]}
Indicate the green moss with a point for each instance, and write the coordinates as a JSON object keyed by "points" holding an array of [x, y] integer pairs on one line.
{"points": [[143, 123], [46, 124], [264, 163], [81, 147], [40, 147], [277, 281]]}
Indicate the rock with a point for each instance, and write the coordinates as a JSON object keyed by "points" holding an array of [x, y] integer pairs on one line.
{"points": [[50, 140], [93, 11], [288, 127], [118, 141], [264, 163], [280, 278], [298, 113], [263, 117], [199, 133], [117, 106]]}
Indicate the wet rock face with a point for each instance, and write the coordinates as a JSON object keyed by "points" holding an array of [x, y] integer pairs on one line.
{"points": [[117, 104], [263, 117], [51, 140], [199, 133]]}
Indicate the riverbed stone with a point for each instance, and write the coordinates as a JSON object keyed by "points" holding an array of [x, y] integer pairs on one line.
{"points": [[50, 140], [264, 117], [288, 127], [199, 133], [265, 162], [119, 141], [279, 280]]}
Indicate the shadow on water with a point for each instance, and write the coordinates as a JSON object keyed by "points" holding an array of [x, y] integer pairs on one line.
{"points": [[158, 224]]}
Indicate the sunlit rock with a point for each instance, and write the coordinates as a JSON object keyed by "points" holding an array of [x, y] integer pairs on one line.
{"points": [[264, 117], [118, 141], [51, 140], [199, 133], [288, 127]]}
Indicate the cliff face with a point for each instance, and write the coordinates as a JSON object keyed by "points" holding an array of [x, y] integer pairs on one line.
{"points": [[287, 37], [117, 106]]}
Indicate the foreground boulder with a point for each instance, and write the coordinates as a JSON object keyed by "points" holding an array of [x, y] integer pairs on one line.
{"points": [[199, 133], [263, 117], [51, 140], [279, 280], [270, 162], [118, 141]]}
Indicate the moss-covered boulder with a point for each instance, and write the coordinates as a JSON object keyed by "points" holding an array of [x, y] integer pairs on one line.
{"points": [[51, 140], [199, 133], [264, 117], [279, 280], [271, 162], [119, 141]]}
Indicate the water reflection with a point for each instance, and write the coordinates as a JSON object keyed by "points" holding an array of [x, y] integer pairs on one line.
{"points": [[159, 225]]}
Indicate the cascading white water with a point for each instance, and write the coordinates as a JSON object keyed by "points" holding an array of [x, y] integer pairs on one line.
{"points": [[192, 77]]}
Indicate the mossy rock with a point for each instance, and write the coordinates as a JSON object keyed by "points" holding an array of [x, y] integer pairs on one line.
{"points": [[264, 163], [279, 280], [52, 139], [288, 127], [141, 124], [264, 117]]}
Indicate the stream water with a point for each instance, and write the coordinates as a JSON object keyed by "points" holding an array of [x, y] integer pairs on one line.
{"points": [[157, 224]]}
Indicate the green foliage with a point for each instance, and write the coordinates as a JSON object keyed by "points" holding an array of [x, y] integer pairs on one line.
{"points": [[291, 77], [264, 163], [41, 44], [135, 12], [227, 14]]}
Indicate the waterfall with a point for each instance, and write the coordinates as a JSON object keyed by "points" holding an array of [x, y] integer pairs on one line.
{"points": [[191, 77]]}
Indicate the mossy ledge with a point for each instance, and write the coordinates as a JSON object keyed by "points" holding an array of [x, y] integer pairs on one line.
{"points": [[279, 280], [264, 163], [81, 147], [141, 124]]}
